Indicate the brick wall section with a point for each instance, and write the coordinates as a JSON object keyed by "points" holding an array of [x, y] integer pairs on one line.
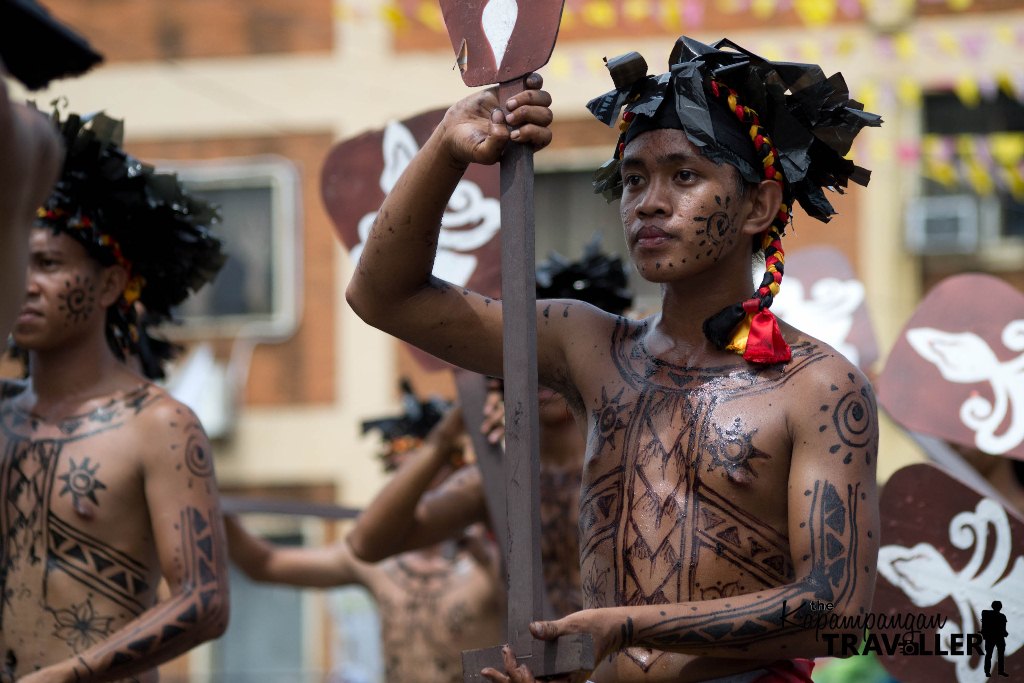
{"points": [[614, 19], [611, 20], [300, 370], [148, 30]]}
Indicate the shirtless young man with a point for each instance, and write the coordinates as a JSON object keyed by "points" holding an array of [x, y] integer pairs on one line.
{"points": [[721, 497], [107, 481], [405, 514], [433, 603]]}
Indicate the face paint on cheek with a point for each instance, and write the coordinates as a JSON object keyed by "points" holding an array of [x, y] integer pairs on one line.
{"points": [[77, 301], [718, 231]]}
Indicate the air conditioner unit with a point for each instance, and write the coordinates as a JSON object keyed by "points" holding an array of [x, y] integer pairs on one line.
{"points": [[948, 224]]}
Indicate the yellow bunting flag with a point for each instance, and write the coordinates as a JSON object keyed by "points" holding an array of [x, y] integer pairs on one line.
{"points": [[772, 51], [728, 6], [967, 89], [1015, 180], [671, 17], [810, 51], [637, 10], [1005, 83], [560, 67], [1005, 34], [763, 9], [868, 95], [429, 14], [847, 45], [815, 12], [937, 166], [905, 46], [978, 175], [599, 13], [393, 14], [568, 18], [948, 43], [908, 91], [1007, 148]]}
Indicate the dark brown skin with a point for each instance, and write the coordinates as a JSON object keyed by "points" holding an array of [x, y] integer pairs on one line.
{"points": [[109, 488], [408, 514], [716, 495], [433, 603], [31, 152]]}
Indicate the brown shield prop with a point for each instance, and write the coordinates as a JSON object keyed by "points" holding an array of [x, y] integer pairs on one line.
{"points": [[356, 174], [947, 551], [496, 41], [821, 296], [956, 371]]}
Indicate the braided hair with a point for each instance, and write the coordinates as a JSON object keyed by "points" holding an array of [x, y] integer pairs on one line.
{"points": [[772, 121], [730, 328]]}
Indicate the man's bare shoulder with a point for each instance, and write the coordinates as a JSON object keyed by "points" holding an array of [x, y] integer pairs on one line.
{"points": [[819, 363], [590, 339], [159, 409], [826, 383]]}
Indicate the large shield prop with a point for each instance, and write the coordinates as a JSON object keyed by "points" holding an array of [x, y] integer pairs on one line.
{"points": [[359, 172], [822, 297], [956, 371], [947, 552]]}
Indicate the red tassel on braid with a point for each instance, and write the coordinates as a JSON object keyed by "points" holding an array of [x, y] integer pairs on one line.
{"points": [[750, 328]]}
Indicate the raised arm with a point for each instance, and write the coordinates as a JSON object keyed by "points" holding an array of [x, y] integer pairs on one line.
{"points": [[262, 561], [392, 287], [31, 153], [404, 516], [833, 532], [182, 499]]}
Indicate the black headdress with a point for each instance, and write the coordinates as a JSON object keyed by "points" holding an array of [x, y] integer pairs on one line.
{"points": [[811, 119], [122, 211], [774, 121], [403, 432], [597, 278]]}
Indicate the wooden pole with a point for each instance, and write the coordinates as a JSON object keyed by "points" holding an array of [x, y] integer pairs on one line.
{"points": [[526, 590]]}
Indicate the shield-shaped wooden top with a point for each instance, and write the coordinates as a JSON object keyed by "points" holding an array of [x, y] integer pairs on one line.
{"points": [[496, 41], [821, 296], [947, 550], [956, 371], [357, 174]]}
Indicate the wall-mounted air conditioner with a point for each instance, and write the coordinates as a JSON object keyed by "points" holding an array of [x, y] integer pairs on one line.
{"points": [[955, 224]]}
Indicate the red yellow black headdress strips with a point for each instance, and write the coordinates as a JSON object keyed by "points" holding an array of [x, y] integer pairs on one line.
{"points": [[771, 120], [124, 212]]}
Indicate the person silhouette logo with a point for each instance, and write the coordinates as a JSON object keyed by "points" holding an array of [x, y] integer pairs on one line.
{"points": [[993, 630]]}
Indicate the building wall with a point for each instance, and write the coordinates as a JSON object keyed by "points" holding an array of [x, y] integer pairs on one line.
{"points": [[195, 79]]}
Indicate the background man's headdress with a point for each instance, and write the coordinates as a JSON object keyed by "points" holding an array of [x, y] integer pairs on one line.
{"points": [[799, 125], [596, 278], [122, 211], [401, 433]]}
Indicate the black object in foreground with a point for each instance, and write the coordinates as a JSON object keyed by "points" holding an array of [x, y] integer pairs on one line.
{"points": [[36, 48]]}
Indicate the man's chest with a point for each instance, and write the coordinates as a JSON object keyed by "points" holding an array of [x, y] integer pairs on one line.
{"points": [[685, 485], [64, 499]]}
